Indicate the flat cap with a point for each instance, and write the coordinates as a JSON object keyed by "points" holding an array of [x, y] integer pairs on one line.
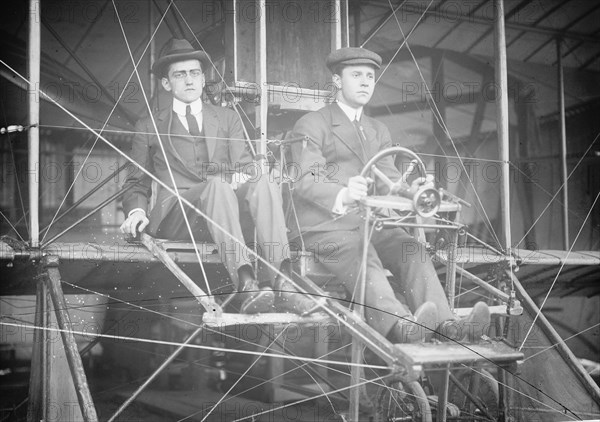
{"points": [[352, 56]]}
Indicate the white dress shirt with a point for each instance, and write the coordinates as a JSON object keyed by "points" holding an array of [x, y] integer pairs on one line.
{"points": [[179, 109]]}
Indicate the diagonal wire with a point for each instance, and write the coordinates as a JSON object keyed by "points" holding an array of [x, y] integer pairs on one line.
{"points": [[559, 271], [441, 122], [162, 148], [559, 189], [562, 411], [239, 379], [266, 263], [216, 69], [191, 346], [13, 227], [404, 41], [556, 344], [313, 398], [545, 191], [102, 129]]}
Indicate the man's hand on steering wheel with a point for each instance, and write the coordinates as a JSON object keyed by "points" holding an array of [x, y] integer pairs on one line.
{"points": [[357, 189]]}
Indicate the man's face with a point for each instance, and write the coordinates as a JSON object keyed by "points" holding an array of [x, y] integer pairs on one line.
{"points": [[185, 80], [356, 84]]}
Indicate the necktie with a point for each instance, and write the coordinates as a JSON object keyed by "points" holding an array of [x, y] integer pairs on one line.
{"points": [[192, 122], [361, 135]]}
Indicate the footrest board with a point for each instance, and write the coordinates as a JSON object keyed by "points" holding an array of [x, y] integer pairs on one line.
{"points": [[226, 319], [427, 354]]}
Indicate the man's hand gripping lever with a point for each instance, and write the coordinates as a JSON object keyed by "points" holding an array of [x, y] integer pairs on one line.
{"points": [[134, 225]]}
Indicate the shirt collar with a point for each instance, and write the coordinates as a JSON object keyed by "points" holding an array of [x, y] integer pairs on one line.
{"points": [[179, 106], [352, 113]]}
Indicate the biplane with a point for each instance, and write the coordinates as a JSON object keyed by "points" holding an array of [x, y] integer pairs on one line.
{"points": [[156, 319]]}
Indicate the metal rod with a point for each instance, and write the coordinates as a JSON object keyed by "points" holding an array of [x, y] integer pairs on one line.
{"points": [[37, 408], [469, 395], [443, 395], [33, 119], [84, 397], [554, 338], [357, 345], [90, 213], [152, 49], [357, 24], [499, 294], [152, 377], [451, 269], [502, 121], [262, 76], [86, 196], [563, 147], [336, 28], [345, 23], [208, 302]]}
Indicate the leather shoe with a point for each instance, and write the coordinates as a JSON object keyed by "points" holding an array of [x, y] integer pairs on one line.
{"points": [[289, 299], [255, 299], [415, 328], [292, 301], [469, 328]]}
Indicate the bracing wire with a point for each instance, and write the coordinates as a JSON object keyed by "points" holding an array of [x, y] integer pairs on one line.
{"points": [[558, 273], [102, 130], [164, 153], [441, 122]]}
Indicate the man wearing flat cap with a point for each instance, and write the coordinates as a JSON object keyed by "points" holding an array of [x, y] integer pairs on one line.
{"points": [[340, 141], [205, 153]]}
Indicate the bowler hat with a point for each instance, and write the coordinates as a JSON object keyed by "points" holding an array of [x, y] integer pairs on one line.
{"points": [[352, 56], [176, 51]]}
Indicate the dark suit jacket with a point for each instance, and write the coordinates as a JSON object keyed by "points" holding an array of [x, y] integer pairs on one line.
{"points": [[332, 155], [226, 150]]}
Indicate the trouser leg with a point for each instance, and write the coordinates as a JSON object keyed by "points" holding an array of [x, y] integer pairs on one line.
{"points": [[218, 202], [341, 253], [262, 199], [410, 263]]}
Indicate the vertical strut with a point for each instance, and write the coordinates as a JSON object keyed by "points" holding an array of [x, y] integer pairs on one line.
{"points": [[84, 397], [502, 122], [33, 138], [563, 147]]}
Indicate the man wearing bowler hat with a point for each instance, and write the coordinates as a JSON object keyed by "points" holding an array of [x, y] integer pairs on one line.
{"points": [[340, 137], [205, 152]]}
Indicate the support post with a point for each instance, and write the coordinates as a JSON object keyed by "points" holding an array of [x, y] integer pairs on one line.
{"points": [[443, 395], [261, 71], [563, 147], [151, 28], [357, 345], [37, 408], [502, 122], [84, 397], [336, 27], [33, 138]]}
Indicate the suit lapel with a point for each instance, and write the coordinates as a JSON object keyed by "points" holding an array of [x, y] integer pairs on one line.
{"points": [[176, 128], [210, 125], [345, 131]]}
